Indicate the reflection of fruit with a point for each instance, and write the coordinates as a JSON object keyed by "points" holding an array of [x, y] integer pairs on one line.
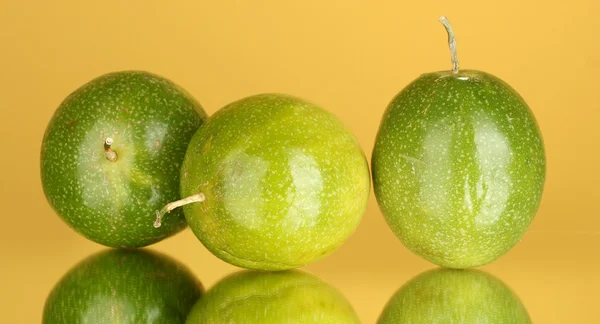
{"points": [[272, 298], [459, 167], [454, 296], [112, 153], [284, 183], [123, 286]]}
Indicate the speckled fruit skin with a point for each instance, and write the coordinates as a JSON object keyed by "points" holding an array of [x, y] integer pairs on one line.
{"points": [[288, 297], [123, 286], [113, 203], [285, 182], [452, 296], [458, 167]]}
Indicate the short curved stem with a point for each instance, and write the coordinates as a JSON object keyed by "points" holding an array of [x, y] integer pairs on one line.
{"points": [[199, 197], [451, 42]]}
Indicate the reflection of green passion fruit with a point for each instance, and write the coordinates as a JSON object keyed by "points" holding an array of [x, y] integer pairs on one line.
{"points": [[125, 287], [454, 296], [272, 298]]}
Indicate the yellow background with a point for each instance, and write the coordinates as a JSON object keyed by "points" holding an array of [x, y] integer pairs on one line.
{"points": [[351, 57]]}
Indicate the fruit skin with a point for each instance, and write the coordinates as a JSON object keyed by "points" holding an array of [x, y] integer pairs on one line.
{"points": [[285, 183], [454, 296], [458, 167], [113, 203], [123, 286], [272, 298]]}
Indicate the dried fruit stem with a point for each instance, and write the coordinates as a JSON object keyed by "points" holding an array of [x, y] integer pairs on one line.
{"points": [[451, 42], [199, 197], [110, 154]]}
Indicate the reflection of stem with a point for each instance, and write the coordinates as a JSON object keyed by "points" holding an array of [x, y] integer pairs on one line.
{"points": [[110, 154], [451, 43], [199, 197]]}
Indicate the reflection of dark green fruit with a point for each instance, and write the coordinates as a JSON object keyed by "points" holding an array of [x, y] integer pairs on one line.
{"points": [[454, 296], [109, 193], [459, 167], [272, 298], [285, 183], [123, 286]]}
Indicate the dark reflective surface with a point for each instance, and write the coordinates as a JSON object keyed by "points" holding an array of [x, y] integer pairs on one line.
{"points": [[123, 286], [454, 296], [272, 297]]}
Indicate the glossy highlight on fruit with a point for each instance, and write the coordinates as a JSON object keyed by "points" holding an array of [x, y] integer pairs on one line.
{"points": [[112, 153], [284, 183], [126, 286], [454, 297], [272, 298], [458, 166]]}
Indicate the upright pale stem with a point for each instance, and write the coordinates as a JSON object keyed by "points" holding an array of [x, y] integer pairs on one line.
{"points": [[199, 197], [451, 43], [110, 154]]}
